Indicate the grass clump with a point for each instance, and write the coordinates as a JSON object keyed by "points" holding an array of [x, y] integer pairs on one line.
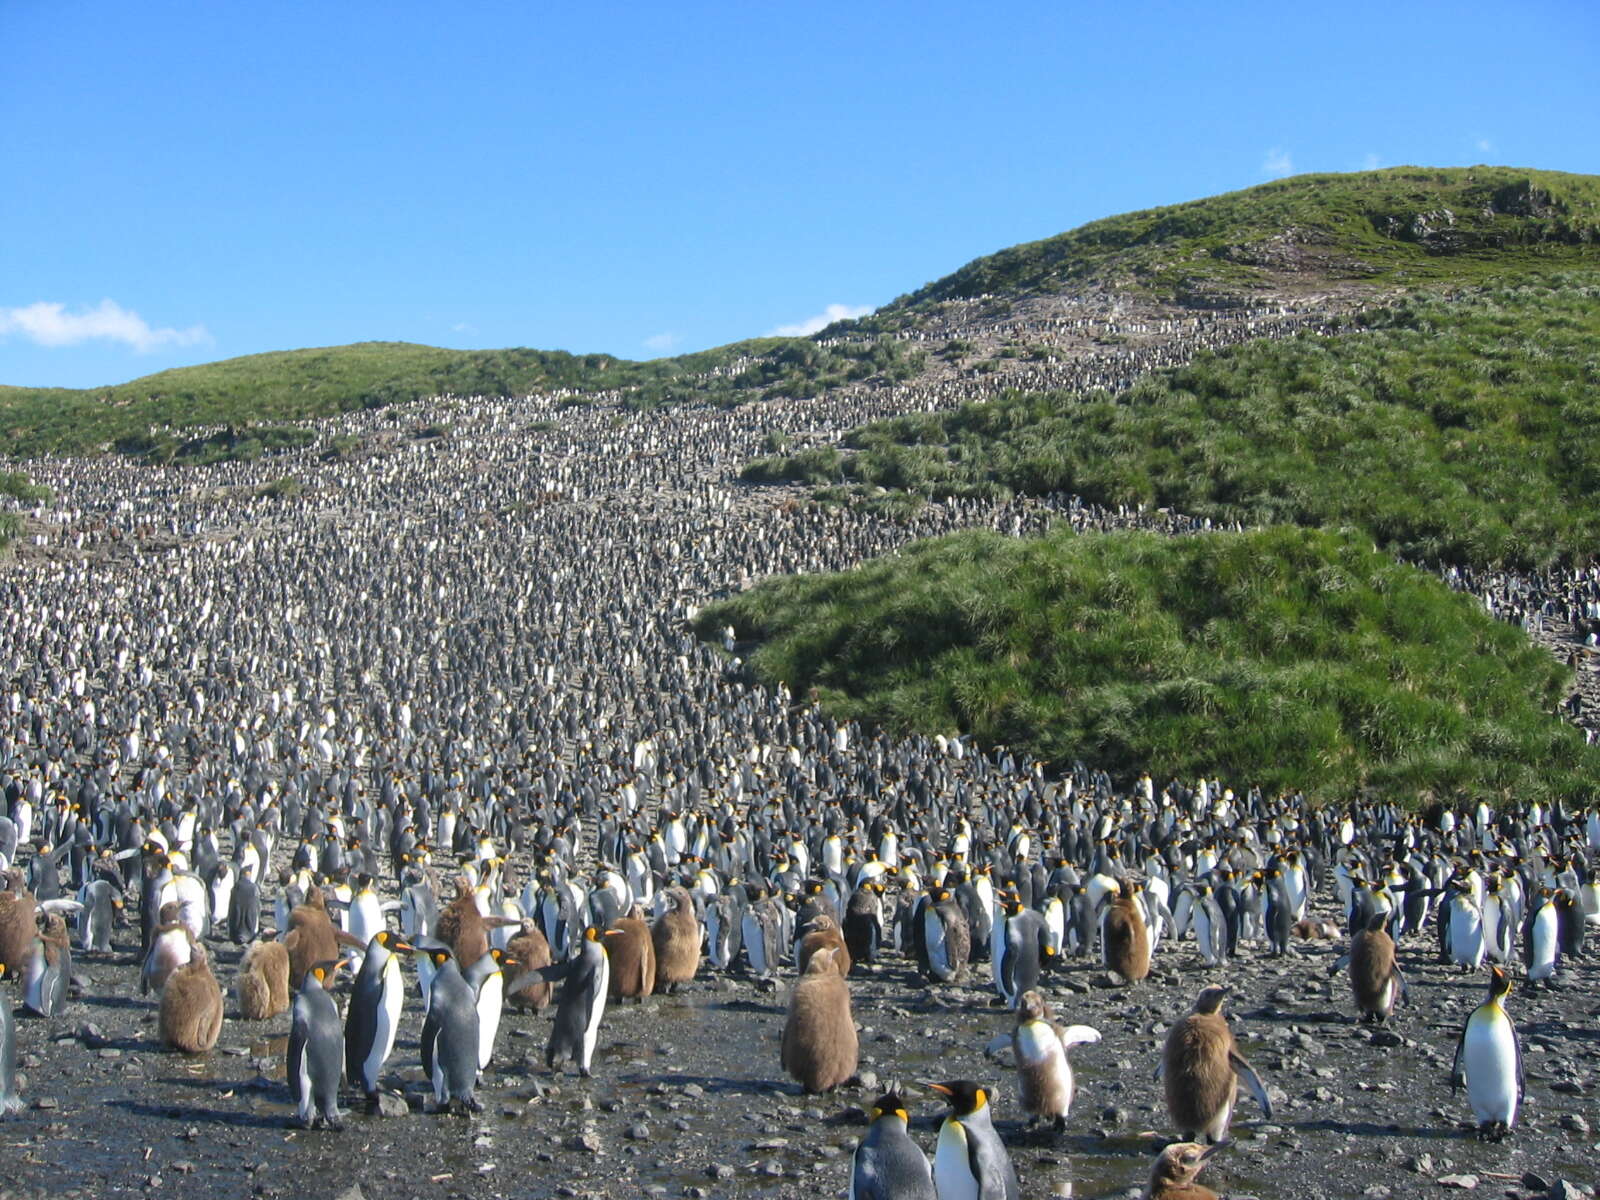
{"points": [[1461, 429], [1288, 658]]}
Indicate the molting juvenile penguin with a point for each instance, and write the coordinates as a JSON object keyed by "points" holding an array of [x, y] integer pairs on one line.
{"points": [[316, 1050], [632, 955], [263, 982], [585, 981], [887, 1164], [946, 938], [10, 1102], [101, 903], [191, 1007], [676, 934], [1172, 1177], [450, 1035], [971, 1162], [1039, 1046], [1125, 941], [311, 938], [819, 1045], [172, 943], [1375, 979], [1489, 1062], [373, 1017], [1202, 1069]]}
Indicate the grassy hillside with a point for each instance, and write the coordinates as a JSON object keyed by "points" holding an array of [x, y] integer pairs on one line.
{"points": [[1462, 429], [1405, 225], [1288, 658]]}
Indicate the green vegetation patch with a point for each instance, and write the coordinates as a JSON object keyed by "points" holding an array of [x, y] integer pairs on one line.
{"points": [[1288, 658], [1460, 429], [18, 487], [1404, 224]]}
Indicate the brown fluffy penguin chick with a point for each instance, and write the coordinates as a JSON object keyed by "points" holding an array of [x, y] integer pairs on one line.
{"points": [[462, 927], [1202, 1070], [1127, 941], [819, 1038], [1173, 1175], [676, 935], [1374, 976], [191, 1007], [263, 983], [18, 923], [530, 949], [633, 957], [311, 938], [824, 934]]}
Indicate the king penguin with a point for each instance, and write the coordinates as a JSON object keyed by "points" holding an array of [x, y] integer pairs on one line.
{"points": [[450, 1035], [1175, 1170], [887, 1164], [971, 1162], [10, 1102], [1039, 1046], [1202, 1070], [316, 1050], [584, 978], [1489, 1062], [374, 1014]]}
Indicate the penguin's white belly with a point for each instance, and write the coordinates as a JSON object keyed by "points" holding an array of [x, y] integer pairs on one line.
{"points": [[1036, 1042], [933, 935], [490, 997], [952, 1174], [390, 1005], [591, 1033], [1491, 1066]]}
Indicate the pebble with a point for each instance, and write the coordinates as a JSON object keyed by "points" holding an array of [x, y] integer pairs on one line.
{"points": [[1464, 1182]]}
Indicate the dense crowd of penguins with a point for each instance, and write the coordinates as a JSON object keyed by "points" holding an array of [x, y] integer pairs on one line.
{"points": [[440, 723]]}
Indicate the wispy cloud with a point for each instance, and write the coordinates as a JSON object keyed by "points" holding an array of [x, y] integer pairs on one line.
{"points": [[1483, 145], [1371, 162], [1277, 163], [463, 327], [661, 342], [48, 324], [834, 312]]}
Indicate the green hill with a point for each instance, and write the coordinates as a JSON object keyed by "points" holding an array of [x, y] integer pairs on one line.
{"points": [[1405, 225], [1287, 658], [1453, 429]]}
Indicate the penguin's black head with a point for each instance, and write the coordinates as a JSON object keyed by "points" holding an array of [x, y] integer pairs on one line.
{"points": [[1210, 999], [439, 955], [1499, 983], [962, 1095], [890, 1104]]}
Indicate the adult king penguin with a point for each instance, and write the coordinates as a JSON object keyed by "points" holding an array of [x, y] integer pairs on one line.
{"points": [[971, 1162], [584, 978], [10, 1102], [1489, 1062], [887, 1164], [450, 1035], [316, 1050], [373, 1017]]}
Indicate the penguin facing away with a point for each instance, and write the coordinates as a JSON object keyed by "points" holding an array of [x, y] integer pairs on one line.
{"points": [[191, 1007], [585, 979], [887, 1164], [262, 985], [10, 1102], [819, 1046], [1488, 1062], [316, 1050], [450, 1039], [971, 1162]]}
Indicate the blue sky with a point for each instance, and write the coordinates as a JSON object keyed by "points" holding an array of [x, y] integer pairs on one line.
{"points": [[186, 182]]}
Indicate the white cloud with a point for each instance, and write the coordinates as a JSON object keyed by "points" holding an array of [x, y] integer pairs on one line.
{"points": [[49, 324], [661, 342], [463, 327], [834, 312], [1483, 144], [1371, 163], [1277, 163]]}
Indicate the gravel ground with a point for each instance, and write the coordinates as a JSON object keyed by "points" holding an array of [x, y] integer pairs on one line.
{"points": [[688, 1098]]}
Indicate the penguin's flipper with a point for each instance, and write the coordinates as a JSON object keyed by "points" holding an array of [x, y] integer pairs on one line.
{"points": [[430, 1034], [1161, 1068], [1405, 988], [1078, 1035], [1516, 1047], [1339, 963], [63, 905], [1458, 1068], [1001, 1041], [1252, 1082], [551, 974]]}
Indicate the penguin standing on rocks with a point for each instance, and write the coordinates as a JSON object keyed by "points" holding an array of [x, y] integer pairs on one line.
{"points": [[1488, 1062], [1175, 1170], [529, 948], [585, 979], [819, 1046], [191, 1007], [1039, 1046], [676, 936], [487, 979], [316, 1050], [450, 1035], [1202, 1069], [1020, 947], [1124, 939], [1375, 979], [631, 959], [887, 1164], [373, 1017], [10, 1102], [946, 938], [971, 1162], [49, 969]]}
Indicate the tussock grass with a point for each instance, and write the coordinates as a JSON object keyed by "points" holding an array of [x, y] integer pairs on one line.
{"points": [[1288, 658]]}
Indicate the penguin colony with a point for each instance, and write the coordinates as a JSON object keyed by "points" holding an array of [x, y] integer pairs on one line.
{"points": [[439, 730]]}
